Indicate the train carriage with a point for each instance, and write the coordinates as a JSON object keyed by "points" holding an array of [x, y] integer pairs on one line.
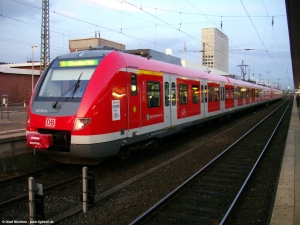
{"points": [[97, 103]]}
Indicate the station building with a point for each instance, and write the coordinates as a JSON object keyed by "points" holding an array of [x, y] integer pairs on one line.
{"points": [[16, 81]]}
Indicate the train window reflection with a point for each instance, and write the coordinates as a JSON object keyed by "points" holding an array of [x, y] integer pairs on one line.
{"points": [[153, 90], [226, 93], [211, 94], [183, 94], [167, 94], [195, 94], [173, 93]]}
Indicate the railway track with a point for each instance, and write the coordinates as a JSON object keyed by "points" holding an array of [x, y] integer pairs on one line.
{"points": [[24, 176], [110, 187], [14, 189], [210, 194]]}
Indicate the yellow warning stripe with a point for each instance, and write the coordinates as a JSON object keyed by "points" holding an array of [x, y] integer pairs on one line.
{"points": [[148, 72]]}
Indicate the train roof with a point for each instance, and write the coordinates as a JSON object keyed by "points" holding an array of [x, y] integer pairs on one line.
{"points": [[144, 62]]}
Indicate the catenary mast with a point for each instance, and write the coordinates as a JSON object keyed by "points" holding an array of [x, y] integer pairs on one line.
{"points": [[45, 39]]}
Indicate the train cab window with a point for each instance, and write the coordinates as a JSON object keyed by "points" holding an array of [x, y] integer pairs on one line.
{"points": [[173, 94], [167, 94], [195, 94], [183, 94], [133, 84], [61, 82], [153, 90], [231, 94]]}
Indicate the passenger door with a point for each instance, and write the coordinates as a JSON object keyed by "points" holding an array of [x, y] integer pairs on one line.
{"points": [[204, 98], [134, 103], [229, 101], [167, 100], [213, 97]]}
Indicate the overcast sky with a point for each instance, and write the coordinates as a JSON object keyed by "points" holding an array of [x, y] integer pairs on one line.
{"points": [[259, 25]]}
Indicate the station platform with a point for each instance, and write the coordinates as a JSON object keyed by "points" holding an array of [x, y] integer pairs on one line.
{"points": [[12, 120], [286, 208]]}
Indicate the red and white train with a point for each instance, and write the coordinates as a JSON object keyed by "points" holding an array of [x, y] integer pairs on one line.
{"points": [[97, 103]]}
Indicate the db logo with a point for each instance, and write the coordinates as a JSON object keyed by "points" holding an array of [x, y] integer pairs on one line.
{"points": [[50, 122]]}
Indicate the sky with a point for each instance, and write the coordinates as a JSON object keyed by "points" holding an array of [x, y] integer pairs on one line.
{"points": [[257, 30]]}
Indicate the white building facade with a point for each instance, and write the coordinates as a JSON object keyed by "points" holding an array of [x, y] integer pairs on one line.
{"points": [[215, 49]]}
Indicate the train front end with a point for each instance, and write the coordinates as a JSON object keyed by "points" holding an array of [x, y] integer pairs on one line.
{"points": [[53, 108]]}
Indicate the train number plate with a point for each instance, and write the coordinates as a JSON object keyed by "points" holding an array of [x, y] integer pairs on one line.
{"points": [[50, 122]]}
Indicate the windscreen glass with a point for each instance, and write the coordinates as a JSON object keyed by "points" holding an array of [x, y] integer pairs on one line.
{"points": [[67, 79]]}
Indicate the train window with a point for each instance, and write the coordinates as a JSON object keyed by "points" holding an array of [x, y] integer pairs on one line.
{"points": [[205, 93], [133, 84], [195, 94], [173, 93], [226, 93], [221, 94], [244, 91], [167, 94], [61, 82], [183, 94], [247, 93], [240, 94], [153, 89], [217, 94], [202, 94], [210, 94], [231, 94]]}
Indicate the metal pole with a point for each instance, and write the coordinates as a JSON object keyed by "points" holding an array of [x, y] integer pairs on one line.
{"points": [[32, 77], [85, 189], [31, 198], [32, 70]]}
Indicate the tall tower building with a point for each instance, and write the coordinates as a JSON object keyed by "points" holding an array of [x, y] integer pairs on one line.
{"points": [[215, 49]]}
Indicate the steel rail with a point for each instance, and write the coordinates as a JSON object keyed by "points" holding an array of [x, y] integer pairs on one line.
{"points": [[252, 170], [140, 218]]}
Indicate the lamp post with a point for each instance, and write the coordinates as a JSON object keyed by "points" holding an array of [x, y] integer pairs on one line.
{"points": [[32, 77]]}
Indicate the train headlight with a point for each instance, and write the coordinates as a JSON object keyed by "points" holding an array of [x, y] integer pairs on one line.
{"points": [[81, 123], [28, 121]]}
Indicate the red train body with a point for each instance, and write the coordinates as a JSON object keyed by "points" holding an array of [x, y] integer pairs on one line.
{"points": [[93, 104]]}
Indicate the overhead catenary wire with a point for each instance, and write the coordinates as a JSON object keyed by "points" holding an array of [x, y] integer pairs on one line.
{"points": [[260, 38], [158, 23]]}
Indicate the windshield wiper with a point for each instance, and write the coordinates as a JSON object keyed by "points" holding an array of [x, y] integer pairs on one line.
{"points": [[76, 85]]}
